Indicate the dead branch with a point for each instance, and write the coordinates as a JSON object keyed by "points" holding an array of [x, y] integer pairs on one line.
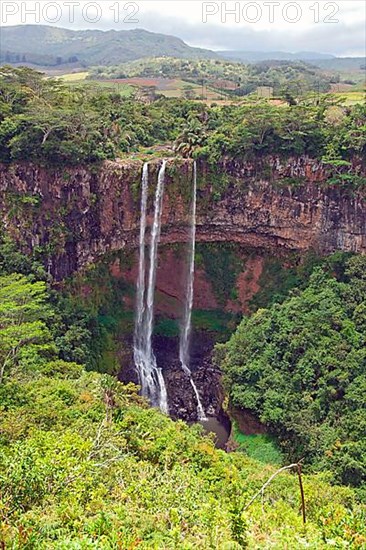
{"points": [[296, 466]]}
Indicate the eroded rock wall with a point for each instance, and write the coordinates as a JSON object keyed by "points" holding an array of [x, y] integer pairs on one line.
{"points": [[79, 214]]}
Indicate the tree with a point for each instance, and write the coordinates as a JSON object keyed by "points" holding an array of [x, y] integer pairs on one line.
{"points": [[24, 335], [299, 367], [191, 137], [188, 91]]}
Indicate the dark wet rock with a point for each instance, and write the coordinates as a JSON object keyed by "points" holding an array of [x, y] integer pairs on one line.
{"points": [[207, 378], [181, 398]]}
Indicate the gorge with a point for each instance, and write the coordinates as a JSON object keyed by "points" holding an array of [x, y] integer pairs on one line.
{"points": [[274, 209], [182, 302]]}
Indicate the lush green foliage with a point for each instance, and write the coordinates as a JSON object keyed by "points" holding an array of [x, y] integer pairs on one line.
{"points": [[84, 463], [65, 323], [24, 335], [294, 78], [42, 120], [248, 132], [300, 368]]}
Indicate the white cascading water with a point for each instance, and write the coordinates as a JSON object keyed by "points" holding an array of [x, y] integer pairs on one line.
{"points": [[151, 377], [140, 286], [187, 317]]}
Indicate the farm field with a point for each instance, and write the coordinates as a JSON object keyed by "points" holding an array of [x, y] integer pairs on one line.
{"points": [[352, 97], [175, 87], [169, 87], [80, 79], [74, 77]]}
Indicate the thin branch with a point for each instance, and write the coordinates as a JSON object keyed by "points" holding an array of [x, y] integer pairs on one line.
{"points": [[302, 493], [296, 466]]}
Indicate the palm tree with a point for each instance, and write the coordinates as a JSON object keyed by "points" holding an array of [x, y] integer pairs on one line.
{"points": [[192, 136]]}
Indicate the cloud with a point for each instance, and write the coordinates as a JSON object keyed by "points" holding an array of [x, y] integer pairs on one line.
{"points": [[335, 38], [184, 20], [347, 37]]}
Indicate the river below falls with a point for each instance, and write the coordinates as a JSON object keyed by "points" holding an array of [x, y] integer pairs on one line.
{"points": [[221, 429]]}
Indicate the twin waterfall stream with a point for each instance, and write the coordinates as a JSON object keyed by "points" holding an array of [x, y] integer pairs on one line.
{"points": [[150, 375]]}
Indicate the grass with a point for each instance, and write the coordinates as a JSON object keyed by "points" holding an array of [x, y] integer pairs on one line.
{"points": [[74, 77], [261, 447], [80, 79], [352, 97]]}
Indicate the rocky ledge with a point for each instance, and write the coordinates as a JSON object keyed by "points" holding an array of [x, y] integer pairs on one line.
{"points": [[82, 213], [181, 399]]}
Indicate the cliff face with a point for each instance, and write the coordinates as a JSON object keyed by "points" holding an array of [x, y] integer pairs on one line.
{"points": [[79, 214], [247, 215]]}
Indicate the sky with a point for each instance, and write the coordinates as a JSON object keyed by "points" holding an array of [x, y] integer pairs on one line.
{"points": [[304, 25]]}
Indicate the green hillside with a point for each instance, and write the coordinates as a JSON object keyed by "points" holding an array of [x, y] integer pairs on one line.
{"points": [[85, 464], [28, 44], [225, 76]]}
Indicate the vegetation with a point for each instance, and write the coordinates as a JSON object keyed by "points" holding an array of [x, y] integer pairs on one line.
{"points": [[280, 276], [229, 78], [43, 120], [299, 367], [246, 132], [85, 463], [222, 265], [261, 447]]}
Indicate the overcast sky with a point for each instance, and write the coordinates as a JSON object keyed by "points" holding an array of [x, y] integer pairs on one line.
{"points": [[322, 26]]}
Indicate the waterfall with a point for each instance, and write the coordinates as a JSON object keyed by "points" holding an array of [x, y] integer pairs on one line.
{"points": [[151, 377], [140, 286], [187, 315]]}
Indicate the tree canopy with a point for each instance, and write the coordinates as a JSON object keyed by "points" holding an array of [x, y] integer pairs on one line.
{"points": [[45, 121], [300, 368], [24, 335]]}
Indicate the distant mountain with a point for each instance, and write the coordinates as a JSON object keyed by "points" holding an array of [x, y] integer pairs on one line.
{"points": [[255, 57], [53, 46], [342, 64], [46, 46]]}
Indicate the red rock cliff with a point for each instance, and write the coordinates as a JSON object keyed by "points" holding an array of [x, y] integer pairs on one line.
{"points": [[79, 214]]}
